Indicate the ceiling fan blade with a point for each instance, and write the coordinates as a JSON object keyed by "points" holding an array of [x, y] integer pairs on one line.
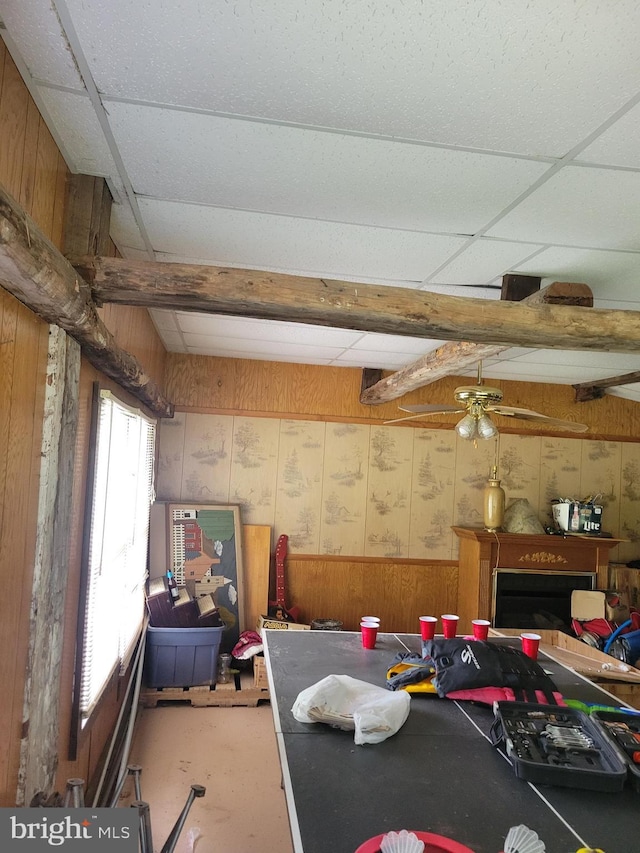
{"points": [[432, 409], [529, 415], [437, 411]]}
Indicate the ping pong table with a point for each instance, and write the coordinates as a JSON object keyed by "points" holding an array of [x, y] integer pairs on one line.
{"points": [[439, 773]]}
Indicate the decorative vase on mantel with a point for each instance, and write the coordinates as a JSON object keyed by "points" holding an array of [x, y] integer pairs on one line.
{"points": [[493, 502]]}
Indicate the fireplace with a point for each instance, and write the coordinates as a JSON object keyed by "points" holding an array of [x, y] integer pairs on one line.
{"points": [[530, 599]]}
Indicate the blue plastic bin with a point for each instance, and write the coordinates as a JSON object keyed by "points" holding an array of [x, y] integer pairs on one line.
{"points": [[182, 657]]}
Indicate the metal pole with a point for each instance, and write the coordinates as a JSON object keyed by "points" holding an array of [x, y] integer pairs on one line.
{"points": [[135, 770], [133, 679], [122, 773], [74, 795], [172, 840], [146, 841]]}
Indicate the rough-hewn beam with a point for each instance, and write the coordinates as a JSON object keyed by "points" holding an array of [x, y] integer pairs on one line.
{"points": [[595, 390], [390, 310], [453, 357], [36, 273]]}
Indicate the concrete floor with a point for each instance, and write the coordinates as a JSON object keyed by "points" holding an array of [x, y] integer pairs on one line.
{"points": [[232, 752]]}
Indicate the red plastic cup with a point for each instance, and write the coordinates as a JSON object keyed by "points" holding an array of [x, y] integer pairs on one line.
{"points": [[449, 625], [530, 644], [369, 631], [427, 627], [480, 628]]}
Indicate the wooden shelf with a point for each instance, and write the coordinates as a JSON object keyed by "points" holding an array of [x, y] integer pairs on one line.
{"points": [[481, 552]]}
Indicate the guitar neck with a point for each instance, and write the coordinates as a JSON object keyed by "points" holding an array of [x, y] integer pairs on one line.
{"points": [[281, 554]]}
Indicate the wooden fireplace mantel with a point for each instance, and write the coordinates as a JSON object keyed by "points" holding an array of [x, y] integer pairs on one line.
{"points": [[481, 552]]}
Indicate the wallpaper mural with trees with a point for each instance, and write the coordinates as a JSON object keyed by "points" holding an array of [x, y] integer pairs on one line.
{"points": [[353, 489]]}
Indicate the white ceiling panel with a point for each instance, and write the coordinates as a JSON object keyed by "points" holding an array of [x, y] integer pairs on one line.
{"points": [[395, 343], [375, 360], [580, 207], [532, 78], [561, 359], [125, 231], [261, 167], [628, 392], [34, 31], [86, 148], [617, 146], [164, 320], [224, 346], [485, 260], [610, 275], [561, 374], [235, 327], [435, 146], [267, 241], [174, 341]]}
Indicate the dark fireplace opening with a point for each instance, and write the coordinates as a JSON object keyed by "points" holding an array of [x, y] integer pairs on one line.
{"points": [[526, 599]]}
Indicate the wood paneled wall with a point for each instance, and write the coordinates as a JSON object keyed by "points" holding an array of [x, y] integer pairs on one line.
{"points": [[33, 171], [241, 386], [398, 591]]}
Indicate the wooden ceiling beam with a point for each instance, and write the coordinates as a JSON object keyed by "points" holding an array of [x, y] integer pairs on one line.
{"points": [[586, 391], [451, 358], [39, 276], [366, 307]]}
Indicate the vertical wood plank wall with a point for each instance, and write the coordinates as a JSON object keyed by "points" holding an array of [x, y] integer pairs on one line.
{"points": [[33, 171]]}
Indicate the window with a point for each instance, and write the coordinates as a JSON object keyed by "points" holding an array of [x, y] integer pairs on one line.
{"points": [[116, 551]]}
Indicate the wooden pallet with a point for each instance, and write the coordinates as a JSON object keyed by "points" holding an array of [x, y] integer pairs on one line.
{"points": [[204, 696]]}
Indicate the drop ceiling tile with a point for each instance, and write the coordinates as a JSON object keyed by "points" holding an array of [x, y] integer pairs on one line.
{"points": [[617, 146], [484, 260], [303, 246], [299, 172], [34, 27], [268, 348], [587, 207], [511, 353], [377, 361], [172, 341], [585, 360], [488, 291], [610, 275], [74, 117], [216, 325], [124, 230], [454, 73], [399, 344], [164, 320], [628, 392], [552, 374]]}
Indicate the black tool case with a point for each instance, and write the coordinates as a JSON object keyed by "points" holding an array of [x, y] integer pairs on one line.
{"points": [[621, 730], [556, 745]]}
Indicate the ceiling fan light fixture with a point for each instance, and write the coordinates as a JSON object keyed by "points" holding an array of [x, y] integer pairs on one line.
{"points": [[486, 427], [467, 428]]}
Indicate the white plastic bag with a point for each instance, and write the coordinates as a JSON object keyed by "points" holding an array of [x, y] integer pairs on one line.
{"points": [[347, 703]]}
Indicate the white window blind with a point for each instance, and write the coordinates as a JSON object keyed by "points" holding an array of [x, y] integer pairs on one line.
{"points": [[117, 570]]}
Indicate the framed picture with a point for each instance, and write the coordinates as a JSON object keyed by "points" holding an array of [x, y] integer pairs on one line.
{"points": [[205, 548]]}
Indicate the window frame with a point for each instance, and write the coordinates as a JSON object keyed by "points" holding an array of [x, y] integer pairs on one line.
{"points": [[92, 567]]}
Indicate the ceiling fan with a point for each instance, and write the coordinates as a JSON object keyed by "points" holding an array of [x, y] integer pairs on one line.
{"points": [[476, 401]]}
